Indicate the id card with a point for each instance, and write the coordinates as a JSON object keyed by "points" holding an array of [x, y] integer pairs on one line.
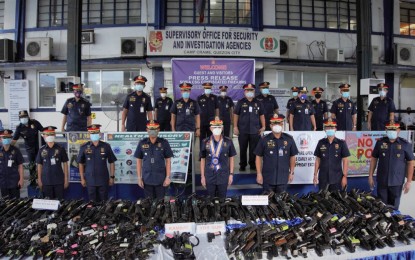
{"points": [[167, 107], [250, 109], [187, 111], [281, 152], [9, 163], [306, 111], [152, 160], [141, 109], [52, 161]]}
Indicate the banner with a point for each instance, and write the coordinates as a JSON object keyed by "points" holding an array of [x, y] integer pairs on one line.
{"points": [[17, 100], [75, 141], [233, 73], [196, 42], [124, 145]]}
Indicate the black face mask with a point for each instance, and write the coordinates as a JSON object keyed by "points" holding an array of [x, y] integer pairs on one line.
{"points": [[317, 95]]}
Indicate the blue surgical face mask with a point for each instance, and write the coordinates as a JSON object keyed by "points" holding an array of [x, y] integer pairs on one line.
{"points": [[24, 120], [94, 137], [186, 94], [265, 91], [139, 87], [330, 132], [249, 94], [303, 96], [6, 141], [392, 135], [208, 91], [345, 94], [295, 94], [382, 93]]}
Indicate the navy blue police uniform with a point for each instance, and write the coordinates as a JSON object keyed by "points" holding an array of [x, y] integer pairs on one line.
{"points": [[52, 175], [137, 106], [9, 171], [30, 134], [208, 106], [77, 113], [331, 156], [344, 111], [276, 154], [225, 105], [249, 124], [320, 109], [185, 114], [302, 115], [153, 165], [96, 173], [217, 179], [391, 169], [270, 106], [163, 106], [381, 108]]}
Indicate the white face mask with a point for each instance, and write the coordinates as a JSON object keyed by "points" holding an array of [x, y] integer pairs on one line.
{"points": [[276, 128], [50, 139], [163, 95], [223, 94], [217, 131]]}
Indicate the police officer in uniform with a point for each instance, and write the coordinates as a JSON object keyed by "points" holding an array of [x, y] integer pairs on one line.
{"points": [[92, 158], [153, 162], [331, 165], [162, 110], [394, 160], [268, 101], [302, 113], [52, 166], [226, 105], [137, 108], [344, 110], [77, 111], [275, 158], [381, 109], [249, 124], [185, 112], [294, 91], [208, 104], [217, 161], [320, 108], [11, 166], [28, 129]]}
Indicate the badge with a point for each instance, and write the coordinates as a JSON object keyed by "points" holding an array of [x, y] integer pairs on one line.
{"points": [[398, 147], [285, 143], [336, 146], [398, 155], [281, 152], [340, 105], [270, 143], [132, 99], [187, 111], [9, 163], [32, 126], [271, 152], [225, 144], [141, 109], [179, 105], [52, 161], [102, 150], [159, 145], [56, 152], [244, 105], [350, 104], [250, 109], [83, 105], [143, 100], [88, 150], [384, 146], [44, 153], [69, 105], [145, 146], [1, 155]]}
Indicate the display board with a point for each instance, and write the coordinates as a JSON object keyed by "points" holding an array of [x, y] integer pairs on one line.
{"points": [[18, 93], [75, 141]]}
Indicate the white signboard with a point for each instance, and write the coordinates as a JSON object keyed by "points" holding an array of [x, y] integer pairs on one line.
{"points": [[41, 204], [255, 200], [213, 42], [180, 227], [18, 99], [210, 227]]}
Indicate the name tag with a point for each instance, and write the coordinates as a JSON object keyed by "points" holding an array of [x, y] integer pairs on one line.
{"points": [[167, 107], [306, 111], [250, 109], [141, 109], [10, 163], [52, 161]]}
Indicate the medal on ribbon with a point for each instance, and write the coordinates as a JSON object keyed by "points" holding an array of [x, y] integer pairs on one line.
{"points": [[215, 152]]}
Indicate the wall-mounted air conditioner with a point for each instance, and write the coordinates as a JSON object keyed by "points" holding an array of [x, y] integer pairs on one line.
{"points": [[87, 37], [7, 50], [132, 46], [288, 47], [38, 48], [334, 54], [405, 54]]}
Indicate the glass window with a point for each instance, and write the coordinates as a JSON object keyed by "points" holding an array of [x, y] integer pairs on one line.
{"points": [[1, 14], [47, 88], [289, 79], [92, 87], [407, 18]]}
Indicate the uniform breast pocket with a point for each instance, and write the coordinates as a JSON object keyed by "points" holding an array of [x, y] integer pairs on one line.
{"points": [[103, 156]]}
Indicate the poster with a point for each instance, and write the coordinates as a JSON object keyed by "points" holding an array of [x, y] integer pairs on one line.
{"points": [[233, 73], [125, 144], [75, 140], [18, 93]]}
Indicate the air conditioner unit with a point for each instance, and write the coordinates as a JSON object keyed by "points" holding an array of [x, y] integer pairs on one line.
{"points": [[405, 54], [132, 46], [288, 47], [334, 55], [375, 55], [7, 50], [87, 37], [38, 48]]}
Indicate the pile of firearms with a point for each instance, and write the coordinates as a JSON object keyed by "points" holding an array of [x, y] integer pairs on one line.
{"points": [[289, 226]]}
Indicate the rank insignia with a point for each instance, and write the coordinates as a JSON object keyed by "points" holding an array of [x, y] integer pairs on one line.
{"points": [[143, 100], [225, 144], [270, 143], [399, 147], [384, 146], [145, 146], [32, 126], [102, 150], [44, 153], [340, 105], [285, 143], [56, 152], [132, 99], [69, 105], [179, 105]]}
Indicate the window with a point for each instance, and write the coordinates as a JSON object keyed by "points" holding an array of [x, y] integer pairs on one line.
{"points": [[229, 12], [407, 25], [1, 14], [324, 14], [55, 12]]}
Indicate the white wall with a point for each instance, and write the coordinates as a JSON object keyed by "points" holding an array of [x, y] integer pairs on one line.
{"points": [[9, 14]]}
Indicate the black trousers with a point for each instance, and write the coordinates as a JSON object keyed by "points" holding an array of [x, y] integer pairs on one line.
{"points": [[165, 125], [154, 191], [11, 193], [390, 195], [277, 189], [217, 190], [204, 132], [98, 193], [53, 191], [227, 129], [332, 187], [246, 140]]}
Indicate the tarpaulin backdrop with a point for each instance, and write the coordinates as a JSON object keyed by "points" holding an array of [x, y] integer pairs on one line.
{"points": [[233, 73]]}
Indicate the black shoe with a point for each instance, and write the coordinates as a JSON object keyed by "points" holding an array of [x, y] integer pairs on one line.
{"points": [[242, 169]]}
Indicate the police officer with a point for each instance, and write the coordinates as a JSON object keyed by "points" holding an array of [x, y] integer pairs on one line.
{"points": [[153, 162], [11, 166], [92, 158], [394, 159], [136, 108], [226, 105], [52, 166], [249, 124], [268, 101], [302, 113], [294, 91], [275, 158], [185, 112], [344, 110], [208, 104], [381, 109], [320, 108], [76, 111], [162, 110], [331, 165], [217, 161], [29, 129]]}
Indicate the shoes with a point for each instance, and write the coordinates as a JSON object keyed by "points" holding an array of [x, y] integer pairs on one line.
{"points": [[242, 169]]}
